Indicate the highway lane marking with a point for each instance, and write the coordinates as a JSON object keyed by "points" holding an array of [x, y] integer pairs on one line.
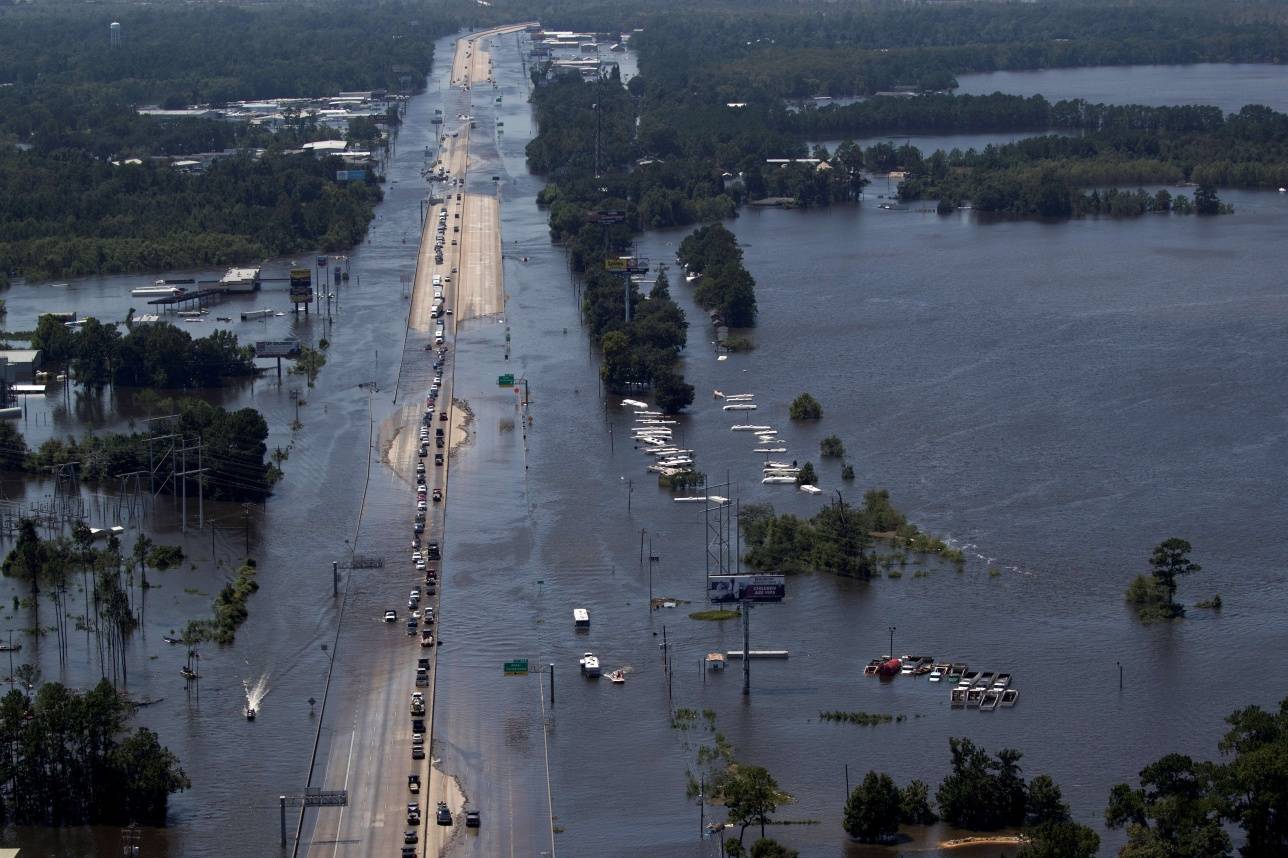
{"points": [[347, 766]]}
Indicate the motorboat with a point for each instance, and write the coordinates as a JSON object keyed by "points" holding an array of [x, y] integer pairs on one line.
{"points": [[187, 672], [974, 696], [1009, 697], [1002, 681], [590, 665], [748, 427], [617, 677], [811, 490], [741, 406], [770, 450], [770, 481], [957, 697], [990, 700], [250, 713]]}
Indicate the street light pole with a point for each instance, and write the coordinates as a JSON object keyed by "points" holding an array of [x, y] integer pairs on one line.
{"points": [[892, 641]]}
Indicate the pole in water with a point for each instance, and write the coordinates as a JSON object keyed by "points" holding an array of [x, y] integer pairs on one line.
{"points": [[552, 683], [847, 780], [335, 578], [282, 799], [1120, 674], [746, 649]]}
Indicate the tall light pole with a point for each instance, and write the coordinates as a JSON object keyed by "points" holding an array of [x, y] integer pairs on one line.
{"points": [[892, 641]]}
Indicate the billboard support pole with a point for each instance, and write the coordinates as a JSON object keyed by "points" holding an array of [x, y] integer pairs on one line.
{"points": [[746, 649]]}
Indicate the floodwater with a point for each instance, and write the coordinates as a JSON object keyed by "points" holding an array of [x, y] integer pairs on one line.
{"points": [[1054, 397], [1228, 86]]}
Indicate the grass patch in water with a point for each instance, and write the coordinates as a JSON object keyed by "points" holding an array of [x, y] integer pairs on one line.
{"points": [[716, 614]]}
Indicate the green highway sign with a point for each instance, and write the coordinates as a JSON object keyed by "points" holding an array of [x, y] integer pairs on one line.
{"points": [[506, 380], [516, 667]]}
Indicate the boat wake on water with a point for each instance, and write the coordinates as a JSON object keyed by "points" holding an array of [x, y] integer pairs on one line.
{"points": [[255, 693]]}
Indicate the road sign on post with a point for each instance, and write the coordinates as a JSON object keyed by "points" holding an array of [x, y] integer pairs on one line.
{"points": [[518, 667], [506, 380], [617, 264]]}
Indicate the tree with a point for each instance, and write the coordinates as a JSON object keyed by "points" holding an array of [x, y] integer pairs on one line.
{"points": [[1060, 840], [1170, 559], [13, 447], [767, 848], [831, 447], [1175, 813], [1255, 783], [806, 476], [671, 392], [873, 810], [309, 364], [1045, 802], [750, 795], [805, 407], [1206, 202], [847, 472], [914, 805], [981, 793]]}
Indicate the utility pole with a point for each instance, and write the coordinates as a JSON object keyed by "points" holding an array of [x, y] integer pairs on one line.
{"points": [[746, 649], [246, 526]]}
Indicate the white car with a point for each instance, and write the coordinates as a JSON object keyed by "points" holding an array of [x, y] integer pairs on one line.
{"points": [[391, 616], [421, 506]]}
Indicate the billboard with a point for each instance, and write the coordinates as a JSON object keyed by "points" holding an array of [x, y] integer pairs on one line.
{"points": [[277, 348], [301, 285], [746, 588], [617, 264], [350, 175]]}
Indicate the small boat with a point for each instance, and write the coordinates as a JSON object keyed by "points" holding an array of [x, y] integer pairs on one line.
{"points": [[956, 671], [1009, 696], [974, 696], [770, 450], [187, 672], [990, 700], [889, 667], [748, 427], [811, 490], [617, 677], [779, 465], [870, 669], [6, 647], [770, 481], [739, 397], [171, 641], [968, 677], [985, 680], [741, 406], [634, 403], [250, 713], [589, 665], [581, 619], [1002, 680], [957, 697]]}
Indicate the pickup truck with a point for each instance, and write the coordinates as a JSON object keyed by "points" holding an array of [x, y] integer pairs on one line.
{"points": [[413, 784]]}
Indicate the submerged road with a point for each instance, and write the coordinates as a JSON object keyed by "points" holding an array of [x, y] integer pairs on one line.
{"points": [[370, 753]]}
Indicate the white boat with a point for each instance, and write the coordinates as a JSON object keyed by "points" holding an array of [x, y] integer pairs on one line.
{"points": [[653, 421], [676, 461], [748, 427], [1009, 696], [580, 618], [634, 403], [778, 465], [781, 470], [256, 314], [192, 314], [716, 499], [811, 490], [739, 397], [617, 677], [589, 665], [772, 481], [648, 413], [158, 291], [741, 406], [770, 450]]}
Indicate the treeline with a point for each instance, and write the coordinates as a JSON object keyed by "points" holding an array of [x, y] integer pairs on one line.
{"points": [[953, 114], [837, 539], [212, 54], [156, 354], [68, 213], [69, 761], [232, 453], [765, 50], [725, 287]]}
